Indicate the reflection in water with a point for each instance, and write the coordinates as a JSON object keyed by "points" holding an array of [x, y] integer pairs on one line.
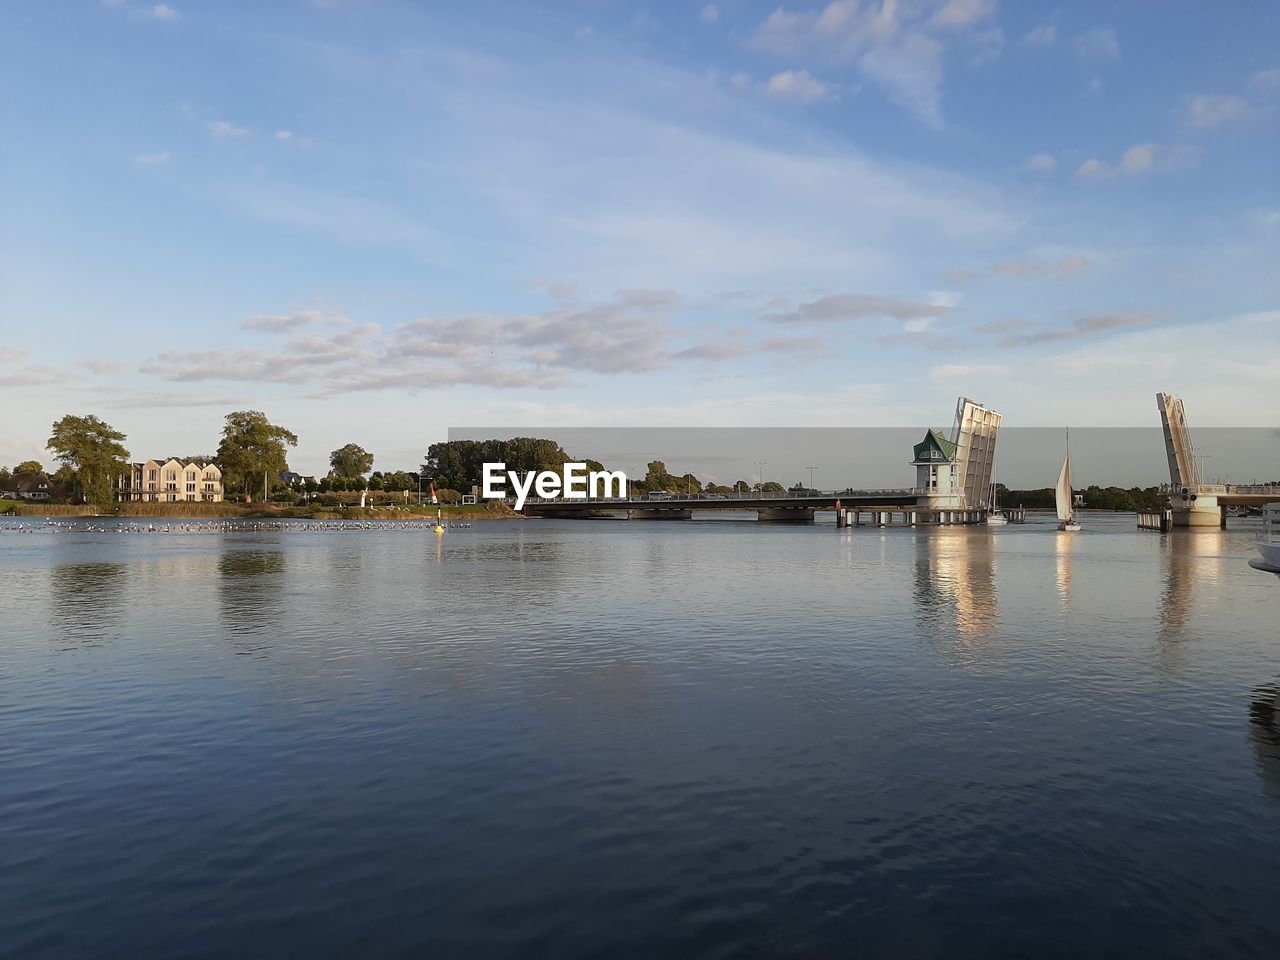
{"points": [[1264, 734], [1192, 557], [250, 585], [955, 579], [86, 601], [1062, 548]]}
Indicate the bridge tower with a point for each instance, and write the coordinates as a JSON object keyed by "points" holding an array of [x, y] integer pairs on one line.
{"points": [[956, 473], [1195, 504]]}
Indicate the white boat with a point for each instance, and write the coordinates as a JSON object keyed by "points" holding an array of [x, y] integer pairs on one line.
{"points": [[995, 517], [1064, 497], [1269, 543]]}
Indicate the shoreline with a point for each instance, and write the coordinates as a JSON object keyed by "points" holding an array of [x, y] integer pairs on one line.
{"points": [[237, 511]]}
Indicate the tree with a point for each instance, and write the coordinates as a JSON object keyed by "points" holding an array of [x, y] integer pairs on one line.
{"points": [[29, 466], [253, 447], [94, 450], [352, 460]]}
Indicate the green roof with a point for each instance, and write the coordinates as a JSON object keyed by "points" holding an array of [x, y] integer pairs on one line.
{"points": [[933, 440]]}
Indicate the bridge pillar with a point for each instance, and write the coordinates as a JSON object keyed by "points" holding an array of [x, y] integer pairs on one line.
{"points": [[785, 515], [659, 514], [1197, 510]]}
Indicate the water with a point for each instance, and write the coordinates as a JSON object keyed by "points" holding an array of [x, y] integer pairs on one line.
{"points": [[576, 739]]}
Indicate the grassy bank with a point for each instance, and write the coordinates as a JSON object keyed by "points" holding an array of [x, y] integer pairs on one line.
{"points": [[28, 508]]}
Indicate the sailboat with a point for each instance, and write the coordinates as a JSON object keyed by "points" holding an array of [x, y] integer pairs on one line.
{"points": [[995, 516], [1064, 497]]}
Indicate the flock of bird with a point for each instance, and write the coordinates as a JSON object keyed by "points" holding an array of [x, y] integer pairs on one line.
{"points": [[52, 525]]}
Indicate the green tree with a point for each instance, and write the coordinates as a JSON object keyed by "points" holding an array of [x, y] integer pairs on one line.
{"points": [[352, 460], [94, 450], [29, 466], [253, 447]]}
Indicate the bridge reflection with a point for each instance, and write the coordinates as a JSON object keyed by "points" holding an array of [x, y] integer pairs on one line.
{"points": [[1264, 735]]}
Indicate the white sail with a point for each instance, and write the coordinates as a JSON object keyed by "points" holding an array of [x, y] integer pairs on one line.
{"points": [[1063, 494]]}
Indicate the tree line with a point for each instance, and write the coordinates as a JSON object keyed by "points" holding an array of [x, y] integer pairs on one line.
{"points": [[1132, 499]]}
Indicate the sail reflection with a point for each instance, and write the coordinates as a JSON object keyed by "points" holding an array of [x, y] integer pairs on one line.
{"points": [[955, 581], [1064, 543]]}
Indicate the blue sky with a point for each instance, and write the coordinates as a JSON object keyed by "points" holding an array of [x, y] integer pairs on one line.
{"points": [[376, 220]]}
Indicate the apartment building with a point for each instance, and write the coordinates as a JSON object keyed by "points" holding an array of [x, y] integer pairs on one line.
{"points": [[170, 481]]}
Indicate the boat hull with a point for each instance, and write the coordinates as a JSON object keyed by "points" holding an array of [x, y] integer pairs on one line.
{"points": [[1068, 526], [1270, 553]]}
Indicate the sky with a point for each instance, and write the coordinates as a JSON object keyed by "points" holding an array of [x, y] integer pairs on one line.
{"points": [[375, 220]]}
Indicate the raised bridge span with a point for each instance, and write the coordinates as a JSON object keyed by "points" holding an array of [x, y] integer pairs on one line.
{"points": [[1194, 502]]}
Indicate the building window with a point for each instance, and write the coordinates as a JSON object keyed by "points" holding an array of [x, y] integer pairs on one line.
{"points": [[151, 475]]}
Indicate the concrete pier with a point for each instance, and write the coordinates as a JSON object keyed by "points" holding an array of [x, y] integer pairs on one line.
{"points": [[660, 514], [785, 515], [1161, 520]]}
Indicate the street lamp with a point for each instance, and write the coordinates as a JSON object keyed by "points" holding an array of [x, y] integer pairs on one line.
{"points": [[762, 464], [811, 468]]}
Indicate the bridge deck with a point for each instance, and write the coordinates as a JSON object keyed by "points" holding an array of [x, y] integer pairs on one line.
{"points": [[853, 499]]}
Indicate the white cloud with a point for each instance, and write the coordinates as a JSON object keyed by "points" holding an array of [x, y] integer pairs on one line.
{"points": [[898, 46], [221, 128], [1082, 327], [283, 135], [837, 308], [162, 11], [279, 323], [969, 371], [628, 332], [740, 81], [799, 86], [1212, 110], [963, 13], [152, 159], [1100, 44], [1266, 80], [1044, 35], [710, 13], [1040, 163], [1143, 158], [1093, 168]]}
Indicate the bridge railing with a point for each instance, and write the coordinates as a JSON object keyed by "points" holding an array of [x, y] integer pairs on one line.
{"points": [[733, 498], [1169, 489]]}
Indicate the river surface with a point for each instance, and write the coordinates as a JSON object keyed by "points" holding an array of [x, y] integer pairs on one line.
{"points": [[637, 740]]}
